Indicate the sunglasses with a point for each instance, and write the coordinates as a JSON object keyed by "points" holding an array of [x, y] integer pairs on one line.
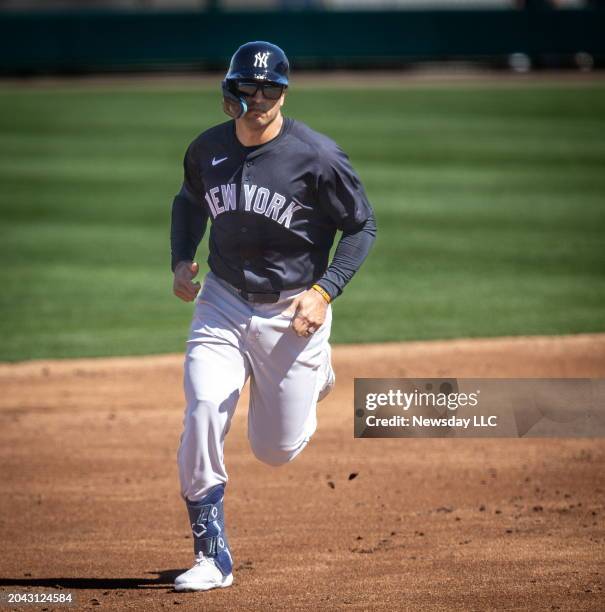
{"points": [[271, 91]]}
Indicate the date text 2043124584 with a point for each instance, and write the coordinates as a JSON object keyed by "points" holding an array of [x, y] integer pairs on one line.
{"points": [[42, 597]]}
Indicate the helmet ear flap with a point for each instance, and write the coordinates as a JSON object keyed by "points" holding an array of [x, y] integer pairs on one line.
{"points": [[233, 105]]}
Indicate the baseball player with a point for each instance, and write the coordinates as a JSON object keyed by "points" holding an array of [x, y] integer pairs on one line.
{"points": [[276, 192]]}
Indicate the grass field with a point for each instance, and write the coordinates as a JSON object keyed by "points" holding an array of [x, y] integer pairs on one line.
{"points": [[490, 204]]}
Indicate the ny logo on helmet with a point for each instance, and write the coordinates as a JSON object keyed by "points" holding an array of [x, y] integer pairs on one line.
{"points": [[260, 59]]}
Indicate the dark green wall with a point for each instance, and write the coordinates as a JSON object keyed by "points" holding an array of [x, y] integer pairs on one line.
{"points": [[102, 40]]}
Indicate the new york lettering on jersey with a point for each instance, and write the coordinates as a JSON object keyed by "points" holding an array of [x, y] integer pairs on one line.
{"points": [[257, 199], [274, 182]]}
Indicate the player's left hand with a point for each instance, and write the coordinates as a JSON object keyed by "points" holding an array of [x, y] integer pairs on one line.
{"points": [[308, 312]]}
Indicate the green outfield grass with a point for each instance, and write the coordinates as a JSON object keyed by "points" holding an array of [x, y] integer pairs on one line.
{"points": [[490, 204]]}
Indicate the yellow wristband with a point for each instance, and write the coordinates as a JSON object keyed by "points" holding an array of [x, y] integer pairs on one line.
{"points": [[324, 294]]}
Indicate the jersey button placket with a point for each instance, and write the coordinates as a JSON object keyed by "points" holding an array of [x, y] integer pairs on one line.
{"points": [[247, 176]]}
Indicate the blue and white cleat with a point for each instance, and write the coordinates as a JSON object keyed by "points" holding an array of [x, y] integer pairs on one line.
{"points": [[203, 576]]}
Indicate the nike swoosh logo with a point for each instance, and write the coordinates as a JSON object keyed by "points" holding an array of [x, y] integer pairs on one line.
{"points": [[216, 162]]}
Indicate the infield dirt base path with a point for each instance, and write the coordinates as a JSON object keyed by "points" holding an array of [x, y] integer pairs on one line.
{"points": [[90, 499]]}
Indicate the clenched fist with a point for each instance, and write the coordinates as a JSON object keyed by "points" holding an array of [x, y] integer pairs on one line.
{"points": [[308, 312], [183, 285]]}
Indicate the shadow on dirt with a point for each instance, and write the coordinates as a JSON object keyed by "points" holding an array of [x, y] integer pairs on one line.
{"points": [[163, 578]]}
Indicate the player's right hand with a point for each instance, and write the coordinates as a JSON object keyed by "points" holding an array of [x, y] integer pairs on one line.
{"points": [[183, 285]]}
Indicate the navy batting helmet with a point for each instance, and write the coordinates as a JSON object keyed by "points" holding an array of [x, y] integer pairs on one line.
{"points": [[254, 61], [259, 61]]}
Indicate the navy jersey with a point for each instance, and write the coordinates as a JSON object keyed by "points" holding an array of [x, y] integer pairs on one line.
{"points": [[274, 209]]}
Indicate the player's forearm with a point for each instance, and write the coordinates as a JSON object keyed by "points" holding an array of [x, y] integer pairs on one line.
{"points": [[186, 230], [350, 253]]}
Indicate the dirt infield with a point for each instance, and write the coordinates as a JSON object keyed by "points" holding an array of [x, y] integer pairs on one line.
{"points": [[90, 499]]}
